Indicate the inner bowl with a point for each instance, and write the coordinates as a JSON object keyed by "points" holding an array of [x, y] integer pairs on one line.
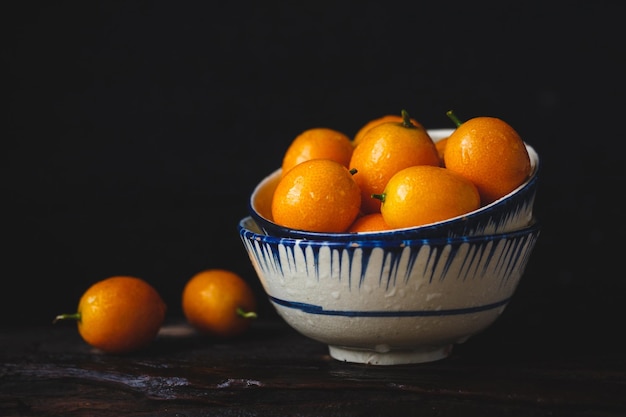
{"points": [[388, 302], [511, 212]]}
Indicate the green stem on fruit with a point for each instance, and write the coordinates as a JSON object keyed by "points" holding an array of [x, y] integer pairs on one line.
{"points": [[246, 314], [72, 316], [380, 197], [406, 119], [353, 171], [454, 119]]}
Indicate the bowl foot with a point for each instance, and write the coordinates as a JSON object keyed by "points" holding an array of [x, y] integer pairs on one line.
{"points": [[391, 357]]}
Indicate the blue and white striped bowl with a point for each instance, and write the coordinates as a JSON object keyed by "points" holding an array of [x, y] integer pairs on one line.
{"points": [[389, 301], [511, 212]]}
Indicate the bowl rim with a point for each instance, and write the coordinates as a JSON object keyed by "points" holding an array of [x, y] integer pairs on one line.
{"points": [[353, 240], [436, 134]]}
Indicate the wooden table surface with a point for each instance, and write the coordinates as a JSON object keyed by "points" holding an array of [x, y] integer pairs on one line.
{"points": [[274, 371]]}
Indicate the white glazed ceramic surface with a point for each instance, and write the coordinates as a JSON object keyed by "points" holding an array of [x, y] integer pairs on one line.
{"points": [[511, 212], [382, 302]]}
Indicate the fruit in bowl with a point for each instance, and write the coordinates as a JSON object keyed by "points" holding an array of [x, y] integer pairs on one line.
{"points": [[490, 153], [316, 195], [384, 150], [511, 212], [391, 301]]}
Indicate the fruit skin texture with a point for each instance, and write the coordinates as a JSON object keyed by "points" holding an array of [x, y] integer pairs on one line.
{"points": [[318, 143], [214, 301], [120, 314], [358, 137], [491, 154], [424, 194], [372, 222], [319, 195], [384, 150], [441, 150]]}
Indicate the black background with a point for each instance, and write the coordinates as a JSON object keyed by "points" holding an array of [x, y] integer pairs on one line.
{"points": [[136, 131]]}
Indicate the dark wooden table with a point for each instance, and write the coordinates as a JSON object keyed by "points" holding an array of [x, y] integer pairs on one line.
{"points": [[274, 371]]}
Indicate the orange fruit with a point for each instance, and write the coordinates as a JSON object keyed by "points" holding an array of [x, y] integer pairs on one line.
{"points": [[441, 149], [386, 149], [490, 153], [386, 118], [120, 314], [424, 194], [372, 222], [319, 195], [318, 143], [219, 302]]}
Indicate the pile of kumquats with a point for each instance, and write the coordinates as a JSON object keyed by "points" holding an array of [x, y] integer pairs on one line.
{"points": [[392, 174]]}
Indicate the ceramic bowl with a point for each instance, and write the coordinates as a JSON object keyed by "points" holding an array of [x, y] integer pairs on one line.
{"points": [[387, 302], [511, 212]]}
